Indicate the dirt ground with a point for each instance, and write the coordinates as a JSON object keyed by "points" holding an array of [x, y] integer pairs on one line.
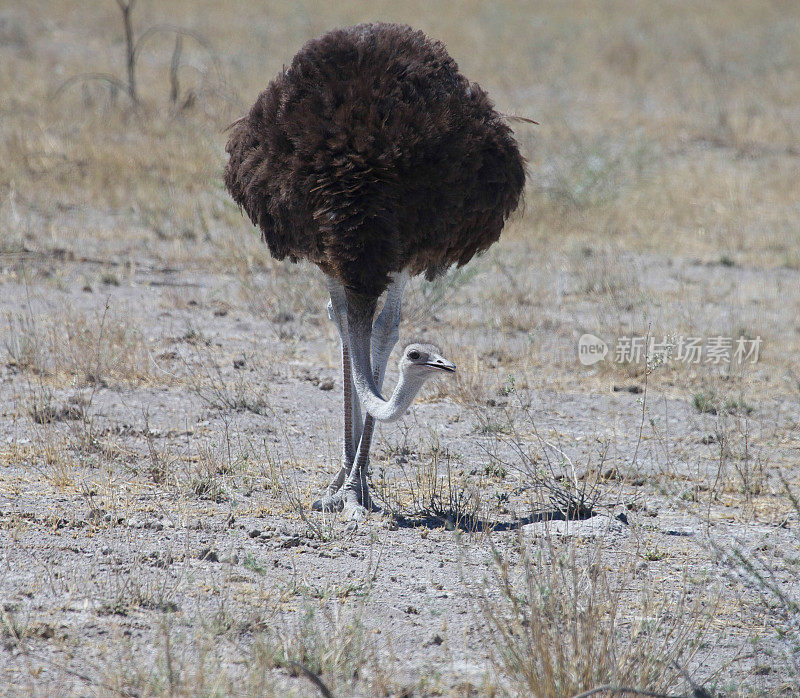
{"points": [[170, 396]]}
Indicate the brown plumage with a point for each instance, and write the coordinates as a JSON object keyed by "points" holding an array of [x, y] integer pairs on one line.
{"points": [[370, 154]]}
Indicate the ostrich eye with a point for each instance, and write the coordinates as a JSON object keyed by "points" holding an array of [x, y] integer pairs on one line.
{"points": [[413, 355]]}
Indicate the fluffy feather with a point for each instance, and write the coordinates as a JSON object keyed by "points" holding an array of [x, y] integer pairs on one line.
{"points": [[372, 153]]}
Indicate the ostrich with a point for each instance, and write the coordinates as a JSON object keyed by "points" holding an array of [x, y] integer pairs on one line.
{"points": [[374, 158]]}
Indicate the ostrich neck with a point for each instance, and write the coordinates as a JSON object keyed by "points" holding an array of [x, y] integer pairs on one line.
{"points": [[360, 329]]}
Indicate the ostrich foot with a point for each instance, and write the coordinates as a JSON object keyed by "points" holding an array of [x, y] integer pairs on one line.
{"points": [[329, 502], [355, 513], [350, 500]]}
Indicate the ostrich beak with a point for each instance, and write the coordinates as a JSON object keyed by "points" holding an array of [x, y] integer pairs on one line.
{"points": [[439, 363]]}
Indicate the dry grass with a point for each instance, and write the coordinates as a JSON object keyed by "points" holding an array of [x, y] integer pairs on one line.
{"points": [[72, 348], [562, 621]]}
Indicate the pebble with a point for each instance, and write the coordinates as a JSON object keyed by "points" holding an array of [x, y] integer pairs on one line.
{"points": [[208, 555], [435, 640]]}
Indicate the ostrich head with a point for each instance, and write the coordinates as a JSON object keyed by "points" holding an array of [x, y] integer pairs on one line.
{"points": [[421, 361]]}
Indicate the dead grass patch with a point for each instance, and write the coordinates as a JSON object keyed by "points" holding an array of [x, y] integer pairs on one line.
{"points": [[74, 348], [562, 621]]}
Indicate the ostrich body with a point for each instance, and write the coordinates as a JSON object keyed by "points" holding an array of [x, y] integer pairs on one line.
{"points": [[374, 158]]}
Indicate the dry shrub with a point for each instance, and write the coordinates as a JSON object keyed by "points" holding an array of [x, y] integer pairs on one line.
{"points": [[562, 620], [74, 348], [773, 579], [433, 487], [330, 647]]}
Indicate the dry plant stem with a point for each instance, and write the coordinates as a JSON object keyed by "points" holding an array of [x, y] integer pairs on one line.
{"points": [[644, 397], [623, 691], [712, 492], [133, 48], [126, 6], [311, 676], [174, 65]]}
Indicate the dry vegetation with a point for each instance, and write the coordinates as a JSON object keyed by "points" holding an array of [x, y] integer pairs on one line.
{"points": [[165, 387]]}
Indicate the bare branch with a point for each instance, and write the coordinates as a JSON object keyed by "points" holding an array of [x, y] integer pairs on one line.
{"points": [[126, 6], [316, 680], [174, 86], [180, 31], [101, 77]]}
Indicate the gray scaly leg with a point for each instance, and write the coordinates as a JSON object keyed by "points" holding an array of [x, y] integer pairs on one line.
{"points": [[385, 334]]}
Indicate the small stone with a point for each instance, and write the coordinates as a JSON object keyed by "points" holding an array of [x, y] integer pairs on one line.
{"points": [[435, 640], [681, 533], [411, 610], [239, 364], [208, 555], [157, 526], [635, 389], [255, 533], [292, 542], [326, 384]]}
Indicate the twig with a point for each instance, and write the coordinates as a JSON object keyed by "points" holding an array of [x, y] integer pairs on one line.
{"points": [[102, 77], [644, 396], [697, 690], [126, 6], [311, 676], [179, 31], [175, 63]]}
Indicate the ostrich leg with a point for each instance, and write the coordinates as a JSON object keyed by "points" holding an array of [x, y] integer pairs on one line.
{"points": [[385, 333], [352, 413]]}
